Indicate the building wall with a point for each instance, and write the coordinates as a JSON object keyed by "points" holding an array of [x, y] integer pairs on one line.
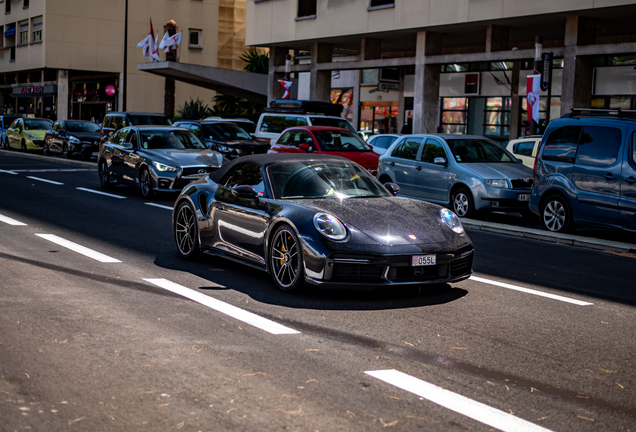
{"points": [[274, 21], [231, 34], [30, 56]]}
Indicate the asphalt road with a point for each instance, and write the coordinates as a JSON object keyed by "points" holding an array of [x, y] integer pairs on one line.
{"points": [[541, 338]]}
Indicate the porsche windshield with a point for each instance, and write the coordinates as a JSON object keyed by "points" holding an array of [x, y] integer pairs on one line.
{"points": [[170, 139], [323, 179], [478, 150]]}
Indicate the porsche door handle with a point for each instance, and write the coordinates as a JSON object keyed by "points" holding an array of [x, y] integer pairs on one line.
{"points": [[630, 180]]}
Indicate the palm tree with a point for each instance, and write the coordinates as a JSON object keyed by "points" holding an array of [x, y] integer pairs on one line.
{"points": [[257, 62], [194, 110]]}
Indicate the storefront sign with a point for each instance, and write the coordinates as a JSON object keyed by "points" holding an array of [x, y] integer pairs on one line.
{"points": [[546, 73], [385, 86], [35, 91], [110, 90], [376, 94], [471, 84]]}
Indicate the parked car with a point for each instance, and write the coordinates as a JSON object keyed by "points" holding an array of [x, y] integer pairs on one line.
{"points": [[247, 125], [225, 137], [113, 121], [381, 142], [28, 133], [284, 114], [525, 149], [5, 123], [314, 219], [70, 138], [469, 173], [155, 158], [327, 140], [585, 171]]}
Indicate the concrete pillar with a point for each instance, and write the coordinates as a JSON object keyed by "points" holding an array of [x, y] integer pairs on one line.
{"points": [[515, 106], [426, 97], [277, 56], [401, 106], [370, 49], [497, 38], [62, 95], [120, 93], [356, 99], [320, 81], [578, 71]]}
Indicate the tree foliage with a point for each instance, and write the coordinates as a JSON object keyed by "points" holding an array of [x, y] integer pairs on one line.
{"points": [[194, 110], [257, 61], [232, 106]]}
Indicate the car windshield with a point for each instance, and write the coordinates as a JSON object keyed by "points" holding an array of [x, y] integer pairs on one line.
{"points": [[224, 132], [148, 120], [340, 140], [246, 126], [82, 127], [37, 124], [323, 179], [170, 139], [478, 150], [331, 122]]}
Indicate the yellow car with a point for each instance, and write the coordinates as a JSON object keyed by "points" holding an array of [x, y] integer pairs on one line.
{"points": [[28, 133]]}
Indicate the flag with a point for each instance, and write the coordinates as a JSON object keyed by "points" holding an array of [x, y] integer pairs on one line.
{"points": [[170, 42], [497, 80], [532, 96], [165, 38], [287, 85], [146, 44], [154, 55]]}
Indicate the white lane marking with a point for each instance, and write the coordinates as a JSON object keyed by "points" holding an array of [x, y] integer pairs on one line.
{"points": [[159, 205], [456, 402], [9, 172], [78, 248], [10, 221], [225, 308], [100, 193], [45, 180], [531, 291]]}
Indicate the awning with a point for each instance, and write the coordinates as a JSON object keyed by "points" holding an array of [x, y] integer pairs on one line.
{"points": [[10, 31], [246, 85]]}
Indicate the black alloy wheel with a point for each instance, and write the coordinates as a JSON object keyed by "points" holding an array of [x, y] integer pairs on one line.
{"points": [[286, 262], [23, 146], [186, 234], [104, 178], [462, 202], [556, 215], [145, 183]]}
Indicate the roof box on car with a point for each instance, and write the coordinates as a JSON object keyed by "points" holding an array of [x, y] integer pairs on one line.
{"points": [[597, 112], [304, 107]]}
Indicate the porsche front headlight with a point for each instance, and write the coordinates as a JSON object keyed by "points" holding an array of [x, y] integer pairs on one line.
{"points": [[330, 226], [451, 220]]}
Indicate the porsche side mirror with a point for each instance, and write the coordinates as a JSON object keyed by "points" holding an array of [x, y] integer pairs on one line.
{"points": [[244, 191], [392, 187], [439, 161], [305, 146]]}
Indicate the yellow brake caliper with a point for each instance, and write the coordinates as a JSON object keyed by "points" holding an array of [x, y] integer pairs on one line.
{"points": [[282, 256]]}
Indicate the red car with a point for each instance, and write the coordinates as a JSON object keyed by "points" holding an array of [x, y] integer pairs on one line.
{"points": [[327, 140]]}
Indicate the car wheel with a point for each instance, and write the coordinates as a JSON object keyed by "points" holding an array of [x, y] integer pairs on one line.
{"points": [[463, 204], [23, 146], [186, 234], [145, 183], [65, 153], [45, 150], [104, 178], [286, 261], [556, 215]]}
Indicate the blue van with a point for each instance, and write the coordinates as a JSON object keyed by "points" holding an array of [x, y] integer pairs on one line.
{"points": [[585, 171]]}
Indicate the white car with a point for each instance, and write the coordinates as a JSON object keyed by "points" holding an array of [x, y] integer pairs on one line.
{"points": [[525, 149], [382, 142]]}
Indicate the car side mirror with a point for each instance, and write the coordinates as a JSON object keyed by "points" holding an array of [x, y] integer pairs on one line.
{"points": [[305, 146], [128, 146], [244, 191], [439, 161], [392, 187]]}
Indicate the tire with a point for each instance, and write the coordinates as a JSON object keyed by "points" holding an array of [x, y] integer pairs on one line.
{"points": [[145, 183], [286, 260], [45, 150], [23, 146], [556, 215], [104, 178], [186, 233], [65, 153], [462, 202]]}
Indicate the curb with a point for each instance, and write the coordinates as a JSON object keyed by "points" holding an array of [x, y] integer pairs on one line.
{"points": [[51, 158], [565, 239]]}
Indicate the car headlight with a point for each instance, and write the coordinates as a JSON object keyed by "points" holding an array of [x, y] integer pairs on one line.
{"points": [[498, 183], [163, 167], [74, 140], [225, 149], [451, 220], [330, 226], [29, 136]]}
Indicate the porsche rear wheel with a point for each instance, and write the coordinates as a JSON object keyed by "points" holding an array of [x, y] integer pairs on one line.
{"points": [[286, 261], [186, 233]]}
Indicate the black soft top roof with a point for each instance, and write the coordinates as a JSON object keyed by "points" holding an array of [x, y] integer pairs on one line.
{"points": [[268, 158]]}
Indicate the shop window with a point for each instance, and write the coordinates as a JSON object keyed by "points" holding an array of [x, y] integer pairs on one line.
{"points": [[306, 8], [370, 76], [36, 24], [24, 32], [454, 115], [195, 39], [345, 98], [555, 112], [497, 118], [455, 68]]}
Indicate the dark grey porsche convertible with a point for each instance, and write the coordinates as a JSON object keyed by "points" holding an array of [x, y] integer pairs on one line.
{"points": [[321, 220]]}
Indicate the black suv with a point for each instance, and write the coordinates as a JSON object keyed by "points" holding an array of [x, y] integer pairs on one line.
{"points": [[113, 121]]}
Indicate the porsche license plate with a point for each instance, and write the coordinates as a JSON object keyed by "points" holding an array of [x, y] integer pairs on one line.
{"points": [[523, 197], [423, 260]]}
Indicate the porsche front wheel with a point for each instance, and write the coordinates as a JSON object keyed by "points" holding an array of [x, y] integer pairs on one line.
{"points": [[186, 233], [286, 261]]}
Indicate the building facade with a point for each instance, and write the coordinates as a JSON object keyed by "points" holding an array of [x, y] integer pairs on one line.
{"points": [[65, 58], [449, 65]]}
